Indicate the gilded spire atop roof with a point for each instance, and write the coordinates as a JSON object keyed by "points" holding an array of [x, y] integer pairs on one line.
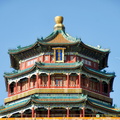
{"points": [[59, 25]]}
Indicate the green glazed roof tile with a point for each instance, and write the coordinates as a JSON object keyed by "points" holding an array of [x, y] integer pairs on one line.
{"points": [[66, 67], [14, 106], [51, 36]]}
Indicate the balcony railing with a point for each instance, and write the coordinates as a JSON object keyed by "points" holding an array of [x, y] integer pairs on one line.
{"points": [[55, 86]]}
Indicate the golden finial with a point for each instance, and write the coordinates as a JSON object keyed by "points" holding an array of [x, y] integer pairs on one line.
{"points": [[59, 21]]}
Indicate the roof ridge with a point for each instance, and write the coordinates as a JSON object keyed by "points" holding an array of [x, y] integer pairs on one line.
{"points": [[63, 33]]}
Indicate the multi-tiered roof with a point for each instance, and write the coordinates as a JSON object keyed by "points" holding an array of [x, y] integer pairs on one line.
{"points": [[59, 39]]}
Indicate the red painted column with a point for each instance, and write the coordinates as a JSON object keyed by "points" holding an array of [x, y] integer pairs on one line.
{"points": [[79, 79], [48, 81], [108, 89], [16, 87], [68, 80], [8, 89], [37, 80], [14, 91], [83, 112], [68, 112], [68, 77], [33, 112], [40, 82], [29, 83], [48, 112], [76, 82]]}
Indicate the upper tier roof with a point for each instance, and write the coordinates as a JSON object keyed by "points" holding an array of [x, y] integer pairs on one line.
{"points": [[57, 38], [61, 39]]}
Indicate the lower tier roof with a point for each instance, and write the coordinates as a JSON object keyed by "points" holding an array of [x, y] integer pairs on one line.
{"points": [[69, 100]]}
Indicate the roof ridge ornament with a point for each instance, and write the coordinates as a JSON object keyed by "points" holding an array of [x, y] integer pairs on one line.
{"points": [[59, 25]]}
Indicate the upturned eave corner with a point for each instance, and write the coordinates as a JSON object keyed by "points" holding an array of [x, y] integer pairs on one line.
{"points": [[58, 75]]}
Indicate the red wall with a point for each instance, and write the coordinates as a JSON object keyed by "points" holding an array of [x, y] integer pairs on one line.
{"points": [[50, 59]]}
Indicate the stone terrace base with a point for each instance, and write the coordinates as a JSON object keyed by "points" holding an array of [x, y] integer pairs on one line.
{"points": [[64, 118]]}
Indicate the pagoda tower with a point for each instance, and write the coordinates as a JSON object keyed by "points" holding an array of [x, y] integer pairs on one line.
{"points": [[58, 76]]}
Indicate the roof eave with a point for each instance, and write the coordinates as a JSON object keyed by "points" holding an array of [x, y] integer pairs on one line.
{"points": [[95, 49], [16, 51], [103, 107], [99, 74]]}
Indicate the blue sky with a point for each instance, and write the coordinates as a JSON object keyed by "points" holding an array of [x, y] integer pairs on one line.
{"points": [[96, 22]]}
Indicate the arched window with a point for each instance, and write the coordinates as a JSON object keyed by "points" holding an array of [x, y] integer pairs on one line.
{"points": [[94, 84], [33, 81], [12, 88], [44, 79], [73, 79], [22, 84]]}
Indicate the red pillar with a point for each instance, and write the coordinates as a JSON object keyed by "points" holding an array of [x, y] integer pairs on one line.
{"points": [[68, 112], [76, 82], [33, 112], [108, 89], [48, 81], [16, 87], [37, 80], [68, 80], [8, 89], [40, 83], [29, 83], [79, 79], [48, 112], [83, 112]]}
